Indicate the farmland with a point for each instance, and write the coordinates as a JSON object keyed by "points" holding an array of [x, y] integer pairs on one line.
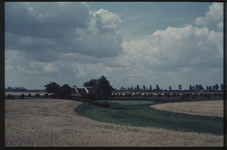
{"points": [[54, 122], [141, 114]]}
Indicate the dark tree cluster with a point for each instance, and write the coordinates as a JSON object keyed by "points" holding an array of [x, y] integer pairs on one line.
{"points": [[15, 89], [57, 90], [9, 96]]}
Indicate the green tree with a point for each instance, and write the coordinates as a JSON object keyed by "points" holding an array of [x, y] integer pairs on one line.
{"points": [[52, 87], [64, 91], [170, 88], [144, 87], [180, 87], [157, 87], [216, 86], [222, 87], [102, 88], [90, 83], [190, 88], [150, 87]]}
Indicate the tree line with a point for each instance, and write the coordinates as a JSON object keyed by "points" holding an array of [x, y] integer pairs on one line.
{"points": [[15, 89], [191, 88]]}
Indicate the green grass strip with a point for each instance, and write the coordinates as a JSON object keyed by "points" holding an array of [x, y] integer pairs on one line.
{"points": [[145, 116]]}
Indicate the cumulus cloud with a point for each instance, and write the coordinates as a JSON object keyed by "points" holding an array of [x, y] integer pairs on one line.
{"points": [[215, 13], [220, 25], [106, 21], [61, 28], [174, 48], [67, 43]]}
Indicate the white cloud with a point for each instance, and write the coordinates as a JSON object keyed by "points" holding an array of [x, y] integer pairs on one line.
{"points": [[215, 13], [106, 21], [220, 25], [81, 74], [65, 28], [74, 53], [175, 48]]}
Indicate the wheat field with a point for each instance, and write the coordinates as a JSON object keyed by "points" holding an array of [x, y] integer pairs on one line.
{"points": [[53, 123], [204, 108]]}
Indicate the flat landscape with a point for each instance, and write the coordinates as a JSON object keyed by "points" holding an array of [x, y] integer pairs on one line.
{"points": [[204, 108], [53, 122]]}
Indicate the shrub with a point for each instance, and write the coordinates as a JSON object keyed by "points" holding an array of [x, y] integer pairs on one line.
{"points": [[45, 95], [37, 95], [29, 95], [22, 96], [9, 96], [12, 97]]}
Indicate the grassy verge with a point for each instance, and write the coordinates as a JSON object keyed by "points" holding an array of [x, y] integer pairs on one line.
{"points": [[145, 116]]}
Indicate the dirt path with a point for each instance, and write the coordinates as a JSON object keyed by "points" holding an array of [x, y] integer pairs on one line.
{"points": [[52, 122], [205, 108]]}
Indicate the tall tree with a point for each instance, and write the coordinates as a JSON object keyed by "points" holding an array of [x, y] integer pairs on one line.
{"points": [[157, 87], [196, 87], [64, 91], [222, 87], [102, 88], [52, 87], [144, 87], [210, 88], [216, 86], [180, 87], [190, 87], [137, 87], [90, 83], [170, 88], [150, 87]]}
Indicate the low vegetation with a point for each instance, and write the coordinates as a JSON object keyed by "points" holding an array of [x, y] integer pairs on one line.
{"points": [[145, 116]]}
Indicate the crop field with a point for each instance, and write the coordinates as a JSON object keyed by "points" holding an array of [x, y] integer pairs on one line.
{"points": [[55, 123], [204, 108]]}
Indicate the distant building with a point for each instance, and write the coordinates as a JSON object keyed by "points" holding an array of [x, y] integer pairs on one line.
{"points": [[85, 92]]}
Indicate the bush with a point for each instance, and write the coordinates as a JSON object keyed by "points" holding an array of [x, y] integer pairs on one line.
{"points": [[8, 96], [22, 96], [12, 97], [29, 95], [45, 95], [37, 95]]}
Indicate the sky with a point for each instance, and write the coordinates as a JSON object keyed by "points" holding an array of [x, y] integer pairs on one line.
{"points": [[130, 43]]}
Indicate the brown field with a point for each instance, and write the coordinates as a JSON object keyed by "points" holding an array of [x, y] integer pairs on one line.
{"points": [[52, 122], [205, 108]]}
